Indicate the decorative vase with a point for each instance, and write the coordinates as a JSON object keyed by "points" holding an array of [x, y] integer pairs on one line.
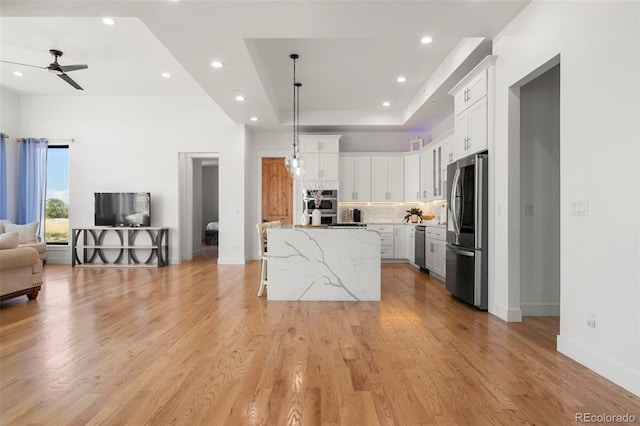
{"points": [[305, 218], [414, 218], [315, 217]]}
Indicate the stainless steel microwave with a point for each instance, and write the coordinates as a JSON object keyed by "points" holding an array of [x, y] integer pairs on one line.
{"points": [[328, 202]]}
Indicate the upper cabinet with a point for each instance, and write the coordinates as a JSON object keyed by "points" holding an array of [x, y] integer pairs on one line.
{"points": [[434, 159], [387, 178], [319, 144], [412, 177], [471, 104], [320, 153], [355, 178]]}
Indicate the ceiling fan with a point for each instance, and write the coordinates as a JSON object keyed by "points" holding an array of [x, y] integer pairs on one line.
{"points": [[60, 70]]}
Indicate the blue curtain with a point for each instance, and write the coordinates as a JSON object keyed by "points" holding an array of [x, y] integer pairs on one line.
{"points": [[32, 181], [3, 176]]}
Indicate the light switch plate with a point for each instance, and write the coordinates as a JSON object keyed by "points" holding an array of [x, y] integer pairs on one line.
{"points": [[580, 208]]}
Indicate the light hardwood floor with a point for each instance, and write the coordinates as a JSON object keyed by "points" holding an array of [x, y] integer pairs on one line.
{"points": [[193, 345]]}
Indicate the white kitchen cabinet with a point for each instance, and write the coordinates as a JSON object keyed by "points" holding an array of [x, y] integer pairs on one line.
{"points": [[401, 237], [319, 144], [355, 178], [447, 149], [471, 130], [471, 105], [412, 178], [387, 250], [320, 153], [435, 250], [474, 89], [387, 178], [321, 167], [446, 159], [433, 166], [425, 181]]}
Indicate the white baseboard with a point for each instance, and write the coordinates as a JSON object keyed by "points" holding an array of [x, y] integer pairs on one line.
{"points": [[231, 260], [59, 255], [506, 314], [607, 368], [540, 309]]}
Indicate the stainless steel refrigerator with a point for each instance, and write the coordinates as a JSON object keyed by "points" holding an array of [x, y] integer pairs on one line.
{"points": [[467, 236]]}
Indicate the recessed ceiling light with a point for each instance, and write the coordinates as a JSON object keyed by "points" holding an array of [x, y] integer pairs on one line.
{"points": [[166, 75], [401, 79], [254, 119], [18, 74], [386, 104], [217, 64], [108, 21], [426, 40], [240, 98]]}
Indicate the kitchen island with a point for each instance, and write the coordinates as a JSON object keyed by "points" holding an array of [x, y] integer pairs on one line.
{"points": [[323, 264]]}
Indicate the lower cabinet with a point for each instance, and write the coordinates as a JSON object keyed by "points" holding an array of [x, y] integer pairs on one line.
{"points": [[436, 250], [386, 240], [401, 243], [396, 241]]}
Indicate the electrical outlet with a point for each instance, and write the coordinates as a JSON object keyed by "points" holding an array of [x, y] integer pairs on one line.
{"points": [[592, 319], [580, 208]]}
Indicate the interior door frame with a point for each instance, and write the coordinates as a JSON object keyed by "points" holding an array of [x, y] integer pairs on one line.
{"points": [[514, 204], [185, 200], [272, 154]]}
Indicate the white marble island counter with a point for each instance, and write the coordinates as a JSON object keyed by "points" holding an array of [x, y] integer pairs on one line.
{"points": [[323, 264]]}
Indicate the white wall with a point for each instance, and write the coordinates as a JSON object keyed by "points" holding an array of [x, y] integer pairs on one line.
{"points": [[598, 43], [10, 124], [132, 144], [540, 195]]}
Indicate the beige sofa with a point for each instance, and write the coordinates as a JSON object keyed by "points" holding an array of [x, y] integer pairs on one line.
{"points": [[20, 272], [27, 236]]}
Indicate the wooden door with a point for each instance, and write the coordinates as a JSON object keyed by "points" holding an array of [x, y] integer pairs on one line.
{"points": [[277, 191]]}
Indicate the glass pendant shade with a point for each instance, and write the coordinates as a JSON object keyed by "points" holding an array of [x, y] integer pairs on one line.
{"points": [[298, 169], [288, 160]]}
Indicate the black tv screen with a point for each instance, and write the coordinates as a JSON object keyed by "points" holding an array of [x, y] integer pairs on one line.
{"points": [[122, 209]]}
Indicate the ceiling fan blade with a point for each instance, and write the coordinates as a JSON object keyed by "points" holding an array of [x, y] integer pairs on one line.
{"points": [[67, 68], [26, 65], [70, 81]]}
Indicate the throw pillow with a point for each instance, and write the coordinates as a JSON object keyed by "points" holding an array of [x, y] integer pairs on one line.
{"points": [[27, 232], [2, 222], [8, 240]]}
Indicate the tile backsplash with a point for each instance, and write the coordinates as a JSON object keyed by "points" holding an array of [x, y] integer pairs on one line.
{"points": [[392, 213]]}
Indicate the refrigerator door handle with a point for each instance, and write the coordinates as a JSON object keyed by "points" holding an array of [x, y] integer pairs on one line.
{"points": [[456, 250], [478, 201], [454, 204]]}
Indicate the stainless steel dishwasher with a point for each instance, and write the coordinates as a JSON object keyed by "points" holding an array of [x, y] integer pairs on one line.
{"points": [[420, 246]]}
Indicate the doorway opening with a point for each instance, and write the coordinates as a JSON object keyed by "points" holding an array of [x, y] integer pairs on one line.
{"points": [[198, 197], [539, 183]]}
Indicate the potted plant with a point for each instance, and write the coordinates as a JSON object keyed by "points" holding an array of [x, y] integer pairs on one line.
{"points": [[415, 215]]}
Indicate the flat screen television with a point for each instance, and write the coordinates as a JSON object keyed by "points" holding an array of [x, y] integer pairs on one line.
{"points": [[122, 209]]}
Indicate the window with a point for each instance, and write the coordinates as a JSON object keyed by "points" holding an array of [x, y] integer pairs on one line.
{"points": [[56, 228]]}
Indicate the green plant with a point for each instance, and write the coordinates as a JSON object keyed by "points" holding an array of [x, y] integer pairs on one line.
{"points": [[414, 210], [55, 208]]}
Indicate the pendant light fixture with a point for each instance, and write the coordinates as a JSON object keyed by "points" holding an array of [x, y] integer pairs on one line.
{"points": [[294, 162]]}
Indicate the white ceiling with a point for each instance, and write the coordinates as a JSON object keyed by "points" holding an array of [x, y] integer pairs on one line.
{"points": [[351, 53]]}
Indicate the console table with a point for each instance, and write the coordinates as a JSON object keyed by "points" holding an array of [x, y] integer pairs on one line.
{"points": [[105, 246]]}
